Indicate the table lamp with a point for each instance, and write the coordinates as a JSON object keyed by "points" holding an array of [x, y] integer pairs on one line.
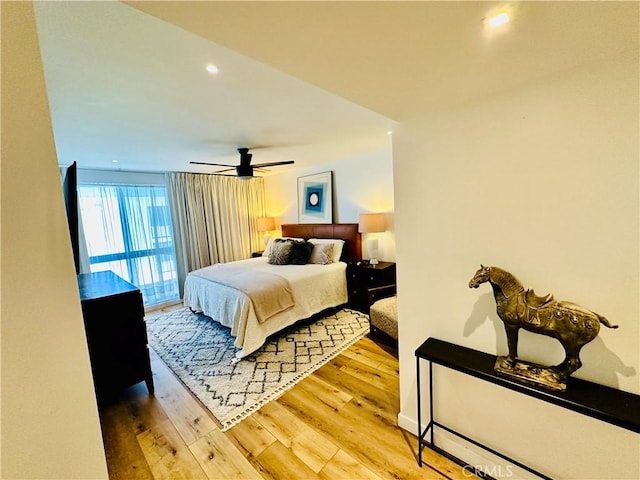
{"points": [[266, 224], [372, 223]]}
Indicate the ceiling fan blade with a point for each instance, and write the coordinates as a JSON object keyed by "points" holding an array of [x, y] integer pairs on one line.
{"points": [[225, 170], [273, 164], [214, 164]]}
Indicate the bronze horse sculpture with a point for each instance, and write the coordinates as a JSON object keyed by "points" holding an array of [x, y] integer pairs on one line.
{"points": [[571, 324]]}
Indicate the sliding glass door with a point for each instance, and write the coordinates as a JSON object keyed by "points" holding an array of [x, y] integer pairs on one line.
{"points": [[128, 230]]}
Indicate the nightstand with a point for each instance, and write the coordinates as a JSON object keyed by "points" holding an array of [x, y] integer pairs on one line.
{"points": [[360, 278]]}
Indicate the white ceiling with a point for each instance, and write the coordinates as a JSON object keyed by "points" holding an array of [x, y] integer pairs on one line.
{"points": [[307, 81]]}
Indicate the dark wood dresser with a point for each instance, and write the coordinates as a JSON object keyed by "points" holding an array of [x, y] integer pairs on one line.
{"points": [[116, 333], [360, 278]]}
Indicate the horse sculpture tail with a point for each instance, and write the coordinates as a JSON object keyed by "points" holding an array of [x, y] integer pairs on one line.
{"points": [[605, 322]]}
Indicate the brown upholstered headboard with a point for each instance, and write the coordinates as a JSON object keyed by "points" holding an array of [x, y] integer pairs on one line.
{"points": [[345, 231]]}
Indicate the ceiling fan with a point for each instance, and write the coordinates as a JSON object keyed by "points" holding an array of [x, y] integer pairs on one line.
{"points": [[244, 169]]}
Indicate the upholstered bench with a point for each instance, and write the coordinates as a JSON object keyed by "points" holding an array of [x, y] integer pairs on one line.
{"points": [[383, 312], [384, 316]]}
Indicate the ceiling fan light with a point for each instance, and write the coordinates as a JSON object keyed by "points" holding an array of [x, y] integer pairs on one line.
{"points": [[244, 171]]}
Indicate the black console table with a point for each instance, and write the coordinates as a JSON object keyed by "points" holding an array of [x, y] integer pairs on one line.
{"points": [[604, 403], [116, 333]]}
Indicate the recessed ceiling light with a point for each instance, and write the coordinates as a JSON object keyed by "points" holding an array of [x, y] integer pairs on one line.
{"points": [[212, 69], [499, 19]]}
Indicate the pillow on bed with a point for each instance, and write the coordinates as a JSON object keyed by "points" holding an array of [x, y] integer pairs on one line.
{"points": [[337, 246], [280, 252], [322, 253], [300, 252], [267, 249]]}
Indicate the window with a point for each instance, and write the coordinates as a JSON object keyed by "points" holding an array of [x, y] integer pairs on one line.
{"points": [[128, 230]]}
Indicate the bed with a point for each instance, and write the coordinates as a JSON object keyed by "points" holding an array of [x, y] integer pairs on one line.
{"points": [[219, 291]]}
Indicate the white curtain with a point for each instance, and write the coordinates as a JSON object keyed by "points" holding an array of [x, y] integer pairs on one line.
{"points": [[214, 218]]}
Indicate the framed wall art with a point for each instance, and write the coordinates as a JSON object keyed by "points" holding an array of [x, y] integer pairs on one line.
{"points": [[315, 198]]}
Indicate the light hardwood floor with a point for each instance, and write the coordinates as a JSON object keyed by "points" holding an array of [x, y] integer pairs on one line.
{"points": [[338, 423]]}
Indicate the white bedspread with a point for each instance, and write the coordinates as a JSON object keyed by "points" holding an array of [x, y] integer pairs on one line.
{"points": [[315, 287], [270, 293]]}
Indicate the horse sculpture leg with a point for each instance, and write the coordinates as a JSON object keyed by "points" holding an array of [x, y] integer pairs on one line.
{"points": [[512, 342], [571, 363]]}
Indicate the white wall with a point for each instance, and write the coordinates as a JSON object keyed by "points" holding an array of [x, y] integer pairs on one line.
{"points": [[50, 425], [361, 184], [544, 182]]}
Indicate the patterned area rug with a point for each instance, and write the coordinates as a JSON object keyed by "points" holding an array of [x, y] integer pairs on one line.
{"points": [[201, 353]]}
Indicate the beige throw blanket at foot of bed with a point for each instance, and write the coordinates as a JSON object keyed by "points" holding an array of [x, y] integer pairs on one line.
{"points": [[269, 293]]}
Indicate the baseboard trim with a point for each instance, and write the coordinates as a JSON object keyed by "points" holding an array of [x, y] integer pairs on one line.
{"points": [[407, 423]]}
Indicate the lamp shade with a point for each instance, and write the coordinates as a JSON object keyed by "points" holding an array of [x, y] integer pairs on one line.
{"points": [[266, 224], [372, 223]]}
